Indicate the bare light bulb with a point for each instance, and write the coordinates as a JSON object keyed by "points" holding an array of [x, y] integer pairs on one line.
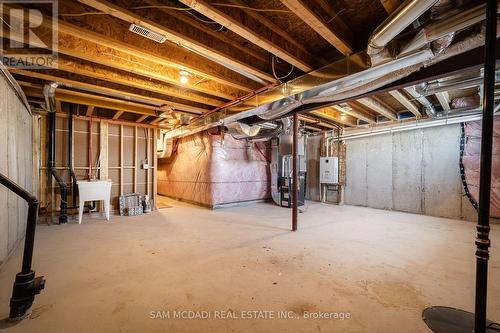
{"points": [[184, 79]]}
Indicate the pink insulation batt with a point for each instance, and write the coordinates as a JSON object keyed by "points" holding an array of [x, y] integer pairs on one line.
{"points": [[203, 171], [471, 160]]}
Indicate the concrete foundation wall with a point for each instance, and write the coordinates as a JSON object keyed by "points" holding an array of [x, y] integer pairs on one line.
{"points": [[16, 162], [413, 171]]}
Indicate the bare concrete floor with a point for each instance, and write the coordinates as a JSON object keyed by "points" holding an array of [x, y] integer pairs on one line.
{"points": [[381, 267]]}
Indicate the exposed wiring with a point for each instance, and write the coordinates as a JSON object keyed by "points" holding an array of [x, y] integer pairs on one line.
{"points": [[336, 15], [273, 59], [269, 10], [162, 7], [85, 13]]}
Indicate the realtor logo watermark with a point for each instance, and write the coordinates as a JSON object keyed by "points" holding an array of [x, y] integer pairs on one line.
{"points": [[28, 31]]}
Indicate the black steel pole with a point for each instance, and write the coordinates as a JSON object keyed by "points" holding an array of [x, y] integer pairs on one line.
{"points": [[483, 223], [295, 194]]}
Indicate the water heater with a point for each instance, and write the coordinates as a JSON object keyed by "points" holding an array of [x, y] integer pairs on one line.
{"points": [[329, 170]]}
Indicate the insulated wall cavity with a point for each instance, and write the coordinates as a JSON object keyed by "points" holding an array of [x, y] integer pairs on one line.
{"points": [[212, 170], [471, 162]]}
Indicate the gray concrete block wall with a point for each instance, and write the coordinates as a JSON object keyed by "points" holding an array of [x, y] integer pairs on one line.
{"points": [[16, 161], [414, 171]]}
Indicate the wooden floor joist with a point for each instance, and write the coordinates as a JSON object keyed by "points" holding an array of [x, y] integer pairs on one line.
{"points": [[202, 49], [237, 27], [70, 96], [301, 9], [135, 51], [390, 5], [82, 85], [92, 47], [378, 106], [110, 75], [353, 110], [335, 116]]}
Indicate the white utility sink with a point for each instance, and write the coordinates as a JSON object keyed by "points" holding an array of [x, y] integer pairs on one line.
{"points": [[94, 191]]}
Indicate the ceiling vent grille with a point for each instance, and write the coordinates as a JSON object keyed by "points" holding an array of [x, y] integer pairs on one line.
{"points": [[145, 32]]}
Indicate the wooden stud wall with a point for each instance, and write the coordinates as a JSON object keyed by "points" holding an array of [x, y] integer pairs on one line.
{"points": [[121, 148]]}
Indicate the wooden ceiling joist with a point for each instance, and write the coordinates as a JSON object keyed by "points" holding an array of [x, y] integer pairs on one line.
{"points": [[165, 90], [141, 118], [353, 110], [104, 90], [237, 27], [105, 74], [378, 106], [329, 114], [278, 31], [390, 5], [313, 121], [174, 36], [313, 128], [406, 102], [302, 10], [444, 100], [118, 114], [92, 47], [146, 55], [90, 111], [212, 33], [64, 95]]}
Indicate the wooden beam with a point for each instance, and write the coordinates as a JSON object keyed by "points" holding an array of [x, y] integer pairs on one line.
{"points": [[406, 102], [141, 118], [58, 106], [237, 27], [313, 121], [105, 74], [90, 110], [335, 116], [300, 8], [175, 37], [212, 33], [97, 71], [139, 52], [378, 106], [390, 5], [444, 100], [117, 115], [94, 88], [278, 31], [312, 128], [71, 96], [130, 60], [103, 159], [355, 111]]}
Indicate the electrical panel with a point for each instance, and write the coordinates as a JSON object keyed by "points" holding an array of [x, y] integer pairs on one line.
{"points": [[328, 170]]}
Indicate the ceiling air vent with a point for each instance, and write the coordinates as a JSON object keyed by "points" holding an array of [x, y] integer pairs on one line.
{"points": [[145, 32]]}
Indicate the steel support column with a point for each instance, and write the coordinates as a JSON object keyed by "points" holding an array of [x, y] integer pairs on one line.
{"points": [[483, 223], [295, 180]]}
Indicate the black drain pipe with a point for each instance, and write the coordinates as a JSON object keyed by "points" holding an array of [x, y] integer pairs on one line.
{"points": [[70, 154], [74, 186], [26, 285], [48, 92]]}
